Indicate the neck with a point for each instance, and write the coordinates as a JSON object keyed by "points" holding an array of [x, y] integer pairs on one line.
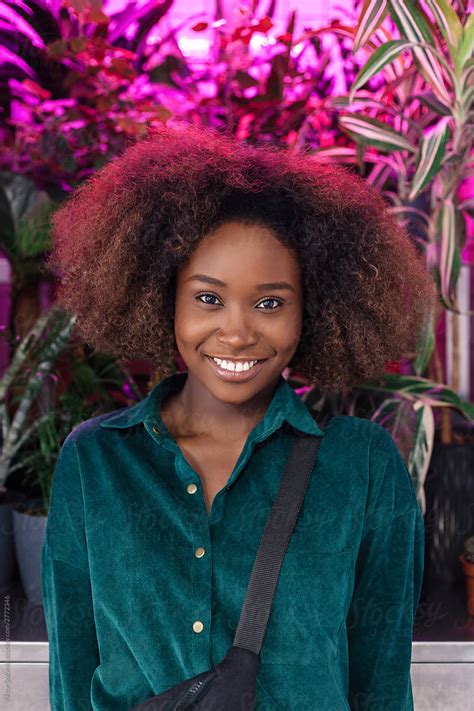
{"points": [[197, 413]]}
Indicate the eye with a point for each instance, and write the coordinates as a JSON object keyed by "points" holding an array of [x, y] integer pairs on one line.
{"points": [[277, 301], [213, 296]]}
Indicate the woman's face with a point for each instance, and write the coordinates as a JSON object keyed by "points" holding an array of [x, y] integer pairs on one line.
{"points": [[228, 304]]}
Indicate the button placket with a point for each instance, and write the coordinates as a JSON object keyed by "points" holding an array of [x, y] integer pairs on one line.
{"points": [[202, 584], [202, 577], [156, 433]]}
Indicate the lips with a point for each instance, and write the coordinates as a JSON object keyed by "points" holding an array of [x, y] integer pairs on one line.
{"points": [[234, 360], [233, 376]]}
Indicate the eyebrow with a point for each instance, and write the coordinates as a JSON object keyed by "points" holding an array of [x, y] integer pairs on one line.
{"points": [[260, 287]]}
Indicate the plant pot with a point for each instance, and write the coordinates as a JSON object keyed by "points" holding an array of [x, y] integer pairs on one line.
{"points": [[8, 563], [449, 516], [29, 526], [468, 569]]}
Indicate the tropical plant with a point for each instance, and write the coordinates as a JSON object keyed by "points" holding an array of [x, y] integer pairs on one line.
{"points": [[31, 364], [404, 122], [78, 86], [416, 125], [85, 384], [77, 75], [25, 230]]}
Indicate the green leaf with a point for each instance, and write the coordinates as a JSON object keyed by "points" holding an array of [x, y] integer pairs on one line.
{"points": [[466, 47], [7, 230], [467, 99], [25, 212], [448, 22], [371, 17], [425, 346], [413, 26], [341, 153], [410, 21], [420, 455], [450, 258], [431, 153], [362, 100], [467, 71], [434, 103], [383, 55], [415, 387], [372, 132]]}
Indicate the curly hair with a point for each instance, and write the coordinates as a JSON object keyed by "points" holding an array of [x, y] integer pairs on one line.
{"points": [[119, 238]]}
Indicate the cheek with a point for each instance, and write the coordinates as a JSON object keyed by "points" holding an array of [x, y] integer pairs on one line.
{"points": [[190, 323], [290, 332]]}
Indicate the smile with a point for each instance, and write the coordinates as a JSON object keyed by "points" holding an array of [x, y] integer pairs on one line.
{"points": [[236, 375]]}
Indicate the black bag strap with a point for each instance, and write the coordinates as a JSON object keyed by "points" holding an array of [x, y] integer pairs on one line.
{"points": [[279, 528]]}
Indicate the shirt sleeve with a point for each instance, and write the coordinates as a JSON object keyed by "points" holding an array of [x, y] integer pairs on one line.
{"points": [[387, 588], [66, 590]]}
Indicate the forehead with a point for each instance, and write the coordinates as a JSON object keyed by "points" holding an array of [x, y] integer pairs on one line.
{"points": [[243, 254]]}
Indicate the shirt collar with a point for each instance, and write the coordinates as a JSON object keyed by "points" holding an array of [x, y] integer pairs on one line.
{"points": [[285, 405]]}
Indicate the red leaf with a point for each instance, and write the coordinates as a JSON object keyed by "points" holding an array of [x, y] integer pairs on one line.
{"points": [[284, 38], [36, 89], [264, 25]]}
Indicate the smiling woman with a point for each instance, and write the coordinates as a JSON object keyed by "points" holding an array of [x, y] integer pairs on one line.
{"points": [[245, 261], [241, 320]]}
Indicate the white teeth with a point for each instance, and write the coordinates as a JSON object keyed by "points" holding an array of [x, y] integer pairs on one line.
{"points": [[237, 367]]}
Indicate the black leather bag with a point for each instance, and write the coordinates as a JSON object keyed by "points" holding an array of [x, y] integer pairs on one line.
{"points": [[230, 684]]}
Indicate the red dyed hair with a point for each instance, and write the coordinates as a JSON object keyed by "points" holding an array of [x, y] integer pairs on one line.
{"points": [[120, 237]]}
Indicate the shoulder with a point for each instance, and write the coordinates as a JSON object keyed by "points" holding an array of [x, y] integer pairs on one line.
{"points": [[87, 435], [383, 452], [347, 445], [357, 435], [92, 427], [360, 446], [356, 428]]}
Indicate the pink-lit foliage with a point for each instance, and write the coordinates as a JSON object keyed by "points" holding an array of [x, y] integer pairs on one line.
{"points": [[78, 86]]}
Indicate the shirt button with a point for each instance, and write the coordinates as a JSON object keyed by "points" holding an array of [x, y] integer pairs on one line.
{"points": [[198, 626], [199, 552], [156, 429], [191, 488]]}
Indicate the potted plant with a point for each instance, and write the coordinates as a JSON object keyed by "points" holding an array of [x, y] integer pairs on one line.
{"points": [[85, 385], [9, 499], [467, 562], [20, 385], [404, 123], [409, 113]]}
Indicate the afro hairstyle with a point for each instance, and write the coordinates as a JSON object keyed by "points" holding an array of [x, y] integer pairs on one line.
{"points": [[120, 236]]}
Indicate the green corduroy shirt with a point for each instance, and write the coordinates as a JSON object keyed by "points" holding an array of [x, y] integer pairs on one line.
{"points": [[132, 561]]}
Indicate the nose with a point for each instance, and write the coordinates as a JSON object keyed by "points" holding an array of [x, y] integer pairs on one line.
{"points": [[237, 331]]}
